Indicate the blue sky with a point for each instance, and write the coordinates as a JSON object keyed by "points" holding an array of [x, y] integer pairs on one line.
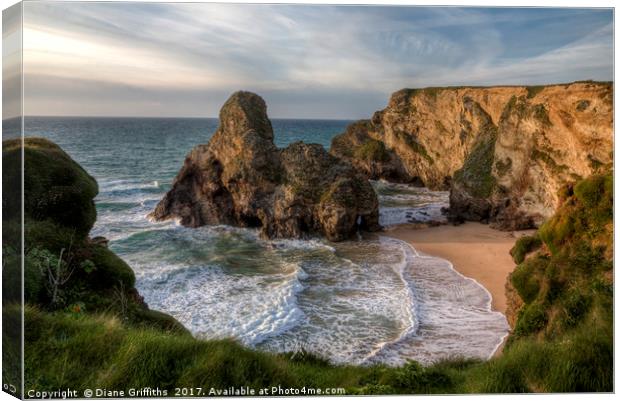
{"points": [[307, 61]]}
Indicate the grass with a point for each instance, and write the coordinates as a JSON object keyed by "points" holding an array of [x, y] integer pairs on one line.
{"points": [[100, 334], [99, 351], [567, 283]]}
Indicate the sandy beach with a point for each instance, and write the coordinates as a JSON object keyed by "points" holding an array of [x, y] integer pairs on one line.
{"points": [[475, 250]]}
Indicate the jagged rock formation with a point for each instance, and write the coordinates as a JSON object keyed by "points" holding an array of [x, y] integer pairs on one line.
{"points": [[240, 178], [504, 152]]}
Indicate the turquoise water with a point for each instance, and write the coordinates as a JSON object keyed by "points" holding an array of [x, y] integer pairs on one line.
{"points": [[368, 300]]}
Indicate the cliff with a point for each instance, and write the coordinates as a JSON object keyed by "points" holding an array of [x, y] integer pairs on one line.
{"points": [[240, 178], [63, 269], [504, 152]]}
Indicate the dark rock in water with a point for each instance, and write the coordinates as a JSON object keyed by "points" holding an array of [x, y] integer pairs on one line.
{"points": [[240, 178]]}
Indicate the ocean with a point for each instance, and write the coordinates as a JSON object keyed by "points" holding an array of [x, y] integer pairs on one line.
{"points": [[371, 299]]}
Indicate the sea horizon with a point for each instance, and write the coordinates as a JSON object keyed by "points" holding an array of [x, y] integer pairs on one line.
{"points": [[174, 117]]}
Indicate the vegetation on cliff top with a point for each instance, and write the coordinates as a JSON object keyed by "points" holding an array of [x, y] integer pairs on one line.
{"points": [[99, 334]]}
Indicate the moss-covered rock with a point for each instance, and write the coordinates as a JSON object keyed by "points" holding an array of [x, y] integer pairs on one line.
{"points": [[63, 268], [56, 188], [110, 270]]}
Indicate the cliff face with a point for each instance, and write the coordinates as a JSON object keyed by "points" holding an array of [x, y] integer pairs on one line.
{"points": [[240, 178], [503, 151]]}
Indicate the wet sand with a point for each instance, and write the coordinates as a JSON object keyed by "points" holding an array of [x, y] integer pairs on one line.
{"points": [[475, 250]]}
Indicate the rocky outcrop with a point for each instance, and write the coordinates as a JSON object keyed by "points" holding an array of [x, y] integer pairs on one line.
{"points": [[504, 152], [63, 269], [240, 178]]}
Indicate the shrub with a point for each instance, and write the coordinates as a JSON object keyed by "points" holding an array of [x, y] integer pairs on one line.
{"points": [[523, 246], [476, 173], [532, 318], [526, 277]]}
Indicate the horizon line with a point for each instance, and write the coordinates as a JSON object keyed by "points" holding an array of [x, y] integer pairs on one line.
{"points": [[173, 117]]}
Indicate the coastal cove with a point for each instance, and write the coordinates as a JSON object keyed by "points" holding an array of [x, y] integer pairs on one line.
{"points": [[288, 200], [278, 295]]}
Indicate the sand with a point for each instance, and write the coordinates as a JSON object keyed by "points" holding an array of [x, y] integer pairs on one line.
{"points": [[475, 250]]}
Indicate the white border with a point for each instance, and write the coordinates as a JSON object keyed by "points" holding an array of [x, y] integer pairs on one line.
{"points": [[480, 3]]}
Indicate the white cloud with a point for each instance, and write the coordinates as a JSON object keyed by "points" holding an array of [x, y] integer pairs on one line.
{"points": [[174, 50]]}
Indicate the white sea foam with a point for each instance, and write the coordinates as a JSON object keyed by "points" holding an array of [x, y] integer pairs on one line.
{"points": [[455, 314], [355, 302], [126, 185], [214, 304]]}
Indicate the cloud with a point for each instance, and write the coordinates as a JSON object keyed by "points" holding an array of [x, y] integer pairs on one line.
{"points": [[307, 61]]}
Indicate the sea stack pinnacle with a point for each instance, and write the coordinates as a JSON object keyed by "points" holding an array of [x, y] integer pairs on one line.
{"points": [[241, 178]]}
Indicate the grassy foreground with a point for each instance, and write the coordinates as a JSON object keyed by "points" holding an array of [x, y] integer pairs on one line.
{"points": [[99, 351], [93, 330]]}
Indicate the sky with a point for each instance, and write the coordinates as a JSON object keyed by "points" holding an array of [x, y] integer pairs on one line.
{"points": [[306, 61]]}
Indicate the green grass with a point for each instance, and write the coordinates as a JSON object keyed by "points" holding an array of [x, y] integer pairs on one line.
{"points": [[99, 334], [100, 351], [566, 284], [55, 186]]}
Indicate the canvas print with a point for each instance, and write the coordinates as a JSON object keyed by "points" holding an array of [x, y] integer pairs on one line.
{"points": [[215, 199]]}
